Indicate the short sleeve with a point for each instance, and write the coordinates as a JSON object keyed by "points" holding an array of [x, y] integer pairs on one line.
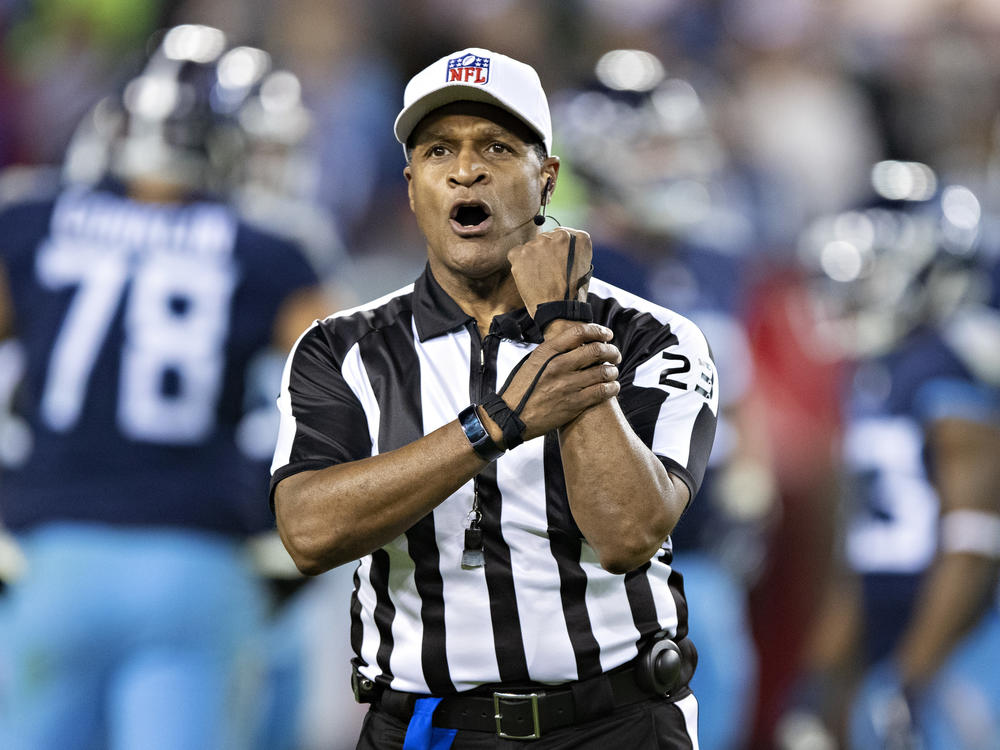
{"points": [[671, 397], [322, 421]]}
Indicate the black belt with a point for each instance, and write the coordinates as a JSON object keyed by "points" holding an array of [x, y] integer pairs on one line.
{"points": [[522, 714]]}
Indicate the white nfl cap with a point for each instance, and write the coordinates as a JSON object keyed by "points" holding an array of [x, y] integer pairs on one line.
{"points": [[477, 75]]}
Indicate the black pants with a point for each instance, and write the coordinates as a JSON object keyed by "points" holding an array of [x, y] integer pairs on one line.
{"points": [[654, 725]]}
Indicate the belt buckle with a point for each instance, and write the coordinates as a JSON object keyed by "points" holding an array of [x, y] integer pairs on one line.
{"points": [[499, 698]]}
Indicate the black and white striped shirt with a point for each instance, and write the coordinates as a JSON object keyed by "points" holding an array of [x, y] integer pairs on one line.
{"points": [[377, 377]]}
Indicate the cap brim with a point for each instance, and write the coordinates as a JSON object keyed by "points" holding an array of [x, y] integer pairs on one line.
{"points": [[411, 116]]}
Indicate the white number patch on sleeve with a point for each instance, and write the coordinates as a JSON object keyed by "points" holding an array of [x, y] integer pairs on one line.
{"points": [[675, 372]]}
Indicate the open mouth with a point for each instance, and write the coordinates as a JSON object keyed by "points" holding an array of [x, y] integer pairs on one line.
{"points": [[470, 217]]}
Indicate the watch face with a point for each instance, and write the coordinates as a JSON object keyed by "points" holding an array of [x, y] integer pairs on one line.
{"points": [[480, 439]]}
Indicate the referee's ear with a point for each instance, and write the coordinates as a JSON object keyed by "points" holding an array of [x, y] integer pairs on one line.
{"points": [[549, 176], [408, 174]]}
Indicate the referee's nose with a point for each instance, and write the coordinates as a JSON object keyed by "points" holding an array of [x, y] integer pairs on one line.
{"points": [[468, 168]]}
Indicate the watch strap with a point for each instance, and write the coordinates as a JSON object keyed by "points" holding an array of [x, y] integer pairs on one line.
{"points": [[477, 434]]}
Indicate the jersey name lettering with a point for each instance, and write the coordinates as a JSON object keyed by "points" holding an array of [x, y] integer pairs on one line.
{"points": [[169, 273]]}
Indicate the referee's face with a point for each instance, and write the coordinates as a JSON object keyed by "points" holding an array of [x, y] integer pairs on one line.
{"points": [[475, 183]]}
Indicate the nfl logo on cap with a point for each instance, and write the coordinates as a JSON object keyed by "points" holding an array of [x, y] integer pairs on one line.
{"points": [[468, 69], [476, 75]]}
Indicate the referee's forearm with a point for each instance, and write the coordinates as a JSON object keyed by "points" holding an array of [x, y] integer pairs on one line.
{"points": [[339, 514], [621, 497]]}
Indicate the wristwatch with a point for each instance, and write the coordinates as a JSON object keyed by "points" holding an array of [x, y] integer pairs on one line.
{"points": [[481, 441]]}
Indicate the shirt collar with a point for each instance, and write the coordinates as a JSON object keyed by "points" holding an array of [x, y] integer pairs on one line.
{"points": [[436, 313]]}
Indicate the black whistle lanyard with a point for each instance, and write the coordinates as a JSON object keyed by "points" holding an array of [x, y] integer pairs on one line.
{"points": [[472, 554]]}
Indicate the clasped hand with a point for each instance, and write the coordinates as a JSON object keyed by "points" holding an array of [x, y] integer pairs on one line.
{"points": [[578, 364], [539, 267]]}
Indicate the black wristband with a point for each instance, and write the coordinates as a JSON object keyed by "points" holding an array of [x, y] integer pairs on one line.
{"points": [[512, 426], [546, 312], [481, 441]]}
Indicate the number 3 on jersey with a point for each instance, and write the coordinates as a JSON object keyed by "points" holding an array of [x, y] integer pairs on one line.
{"points": [[176, 319]]}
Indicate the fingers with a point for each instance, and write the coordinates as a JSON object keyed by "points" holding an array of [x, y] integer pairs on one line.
{"points": [[588, 367], [601, 381], [539, 265], [564, 335], [588, 355], [549, 249], [572, 370], [583, 345], [598, 393], [561, 396], [567, 232]]}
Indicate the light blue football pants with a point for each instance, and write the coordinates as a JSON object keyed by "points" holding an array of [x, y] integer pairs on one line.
{"points": [[129, 639], [726, 678], [959, 709]]}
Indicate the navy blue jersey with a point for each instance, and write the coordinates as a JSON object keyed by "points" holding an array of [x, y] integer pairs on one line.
{"points": [[891, 537], [138, 323]]}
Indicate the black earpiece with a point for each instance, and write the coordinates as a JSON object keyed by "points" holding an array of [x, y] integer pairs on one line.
{"points": [[540, 218]]}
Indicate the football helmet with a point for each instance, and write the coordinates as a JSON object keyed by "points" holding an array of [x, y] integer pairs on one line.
{"points": [[279, 187], [905, 258], [643, 139], [178, 121], [277, 125]]}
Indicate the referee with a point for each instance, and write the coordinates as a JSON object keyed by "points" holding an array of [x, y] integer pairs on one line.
{"points": [[505, 444]]}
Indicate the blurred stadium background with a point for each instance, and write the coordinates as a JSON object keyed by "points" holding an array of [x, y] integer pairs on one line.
{"points": [[804, 96]]}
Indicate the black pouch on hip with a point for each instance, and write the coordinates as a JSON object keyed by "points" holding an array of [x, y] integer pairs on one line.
{"points": [[664, 666]]}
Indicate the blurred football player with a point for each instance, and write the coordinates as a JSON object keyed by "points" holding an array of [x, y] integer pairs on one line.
{"points": [[278, 191], [280, 184], [668, 223], [907, 648], [140, 298]]}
